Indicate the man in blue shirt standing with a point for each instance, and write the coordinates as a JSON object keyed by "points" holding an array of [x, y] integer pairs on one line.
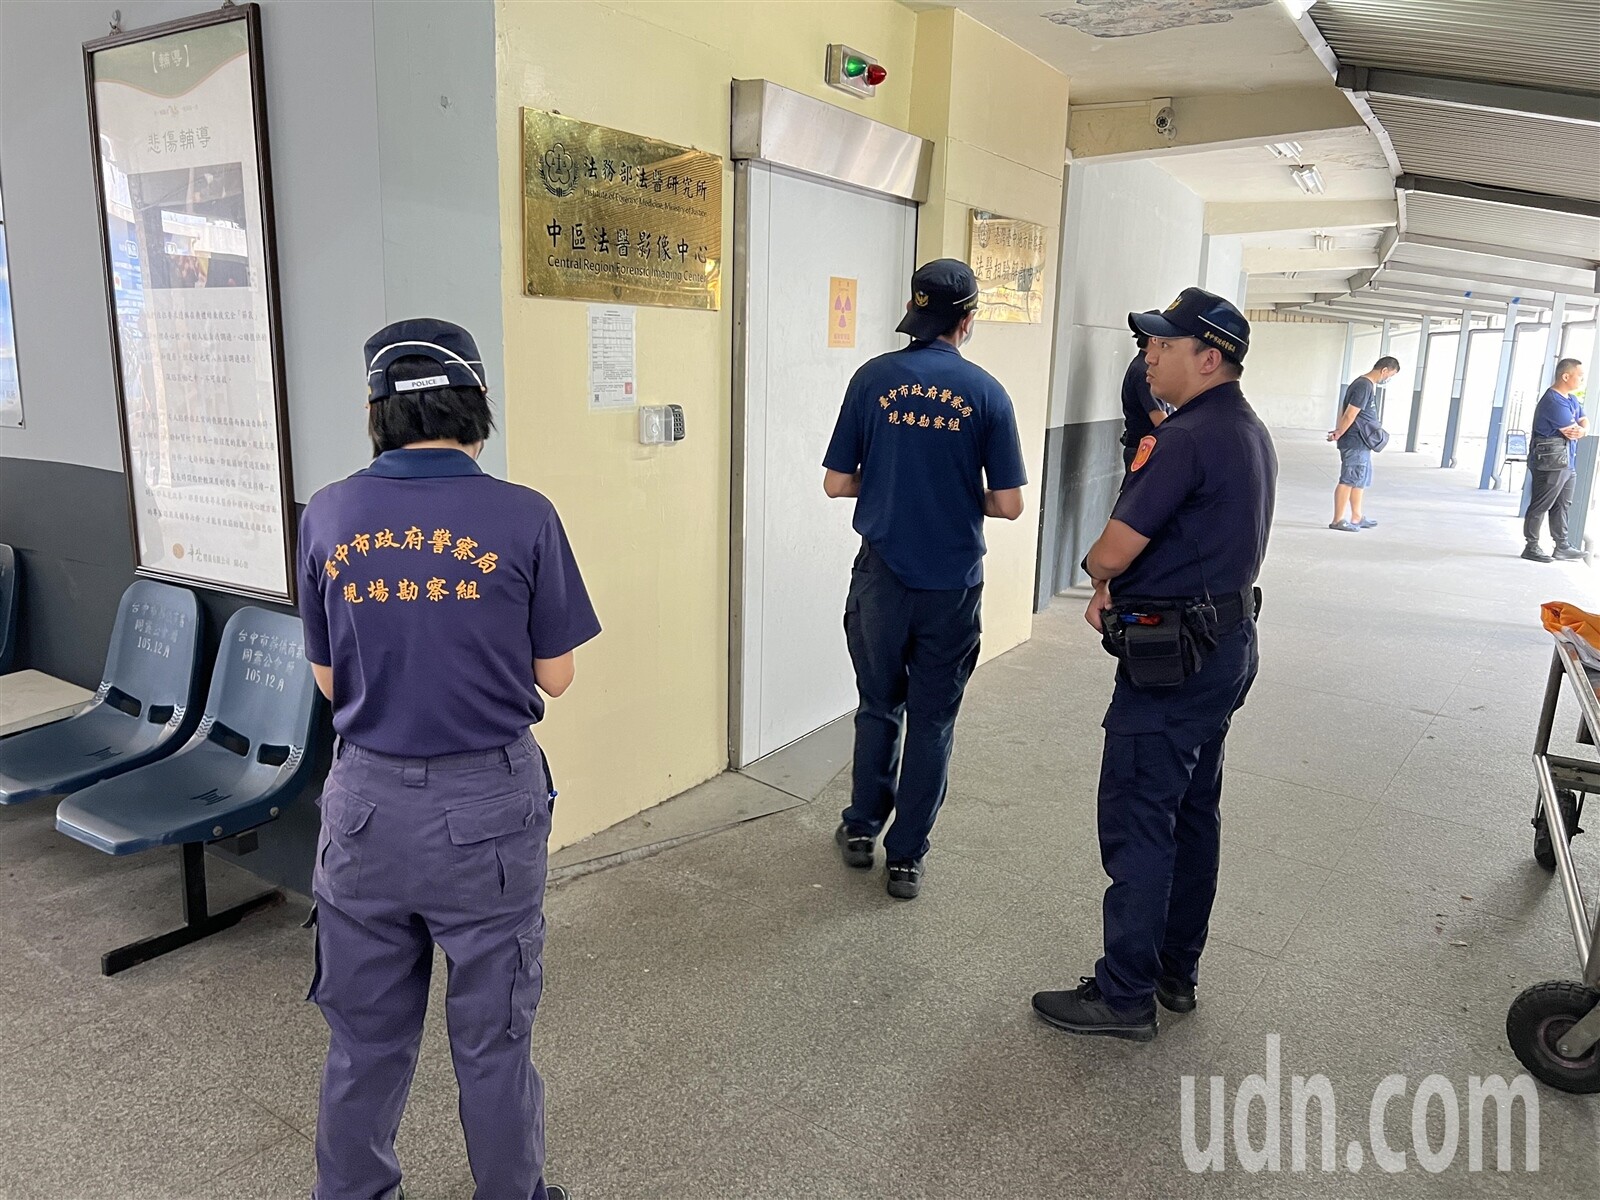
{"points": [[1358, 434], [926, 444], [1558, 423], [1174, 599]]}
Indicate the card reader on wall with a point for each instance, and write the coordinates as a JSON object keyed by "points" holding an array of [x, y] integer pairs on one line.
{"points": [[660, 424]]}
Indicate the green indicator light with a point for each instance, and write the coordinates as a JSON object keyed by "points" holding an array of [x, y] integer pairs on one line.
{"points": [[854, 67]]}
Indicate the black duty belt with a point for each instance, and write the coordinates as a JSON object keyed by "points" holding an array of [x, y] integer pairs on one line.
{"points": [[1161, 642], [1229, 609], [1236, 606]]}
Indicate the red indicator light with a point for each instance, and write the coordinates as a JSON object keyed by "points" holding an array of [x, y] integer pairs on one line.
{"points": [[876, 74]]}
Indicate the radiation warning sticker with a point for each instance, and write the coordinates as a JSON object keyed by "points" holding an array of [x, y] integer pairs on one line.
{"points": [[1147, 446]]}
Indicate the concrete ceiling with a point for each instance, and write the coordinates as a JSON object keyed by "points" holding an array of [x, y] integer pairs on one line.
{"points": [[1238, 75], [1453, 160], [1350, 161], [1118, 50]]}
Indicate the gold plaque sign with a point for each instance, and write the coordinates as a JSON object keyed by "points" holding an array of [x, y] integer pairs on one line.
{"points": [[616, 217], [1007, 256]]}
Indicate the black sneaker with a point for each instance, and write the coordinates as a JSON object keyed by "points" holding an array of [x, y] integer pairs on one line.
{"points": [[1083, 1010], [857, 850], [1568, 554], [1532, 553], [905, 879], [1175, 995]]}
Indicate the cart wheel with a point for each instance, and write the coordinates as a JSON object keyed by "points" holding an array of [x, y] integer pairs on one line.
{"points": [[1544, 851], [1538, 1019]]}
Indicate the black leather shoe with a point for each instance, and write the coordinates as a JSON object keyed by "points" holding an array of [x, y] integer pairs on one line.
{"points": [[1568, 554], [905, 879], [857, 850], [1532, 553], [1084, 1010], [1175, 995], [556, 1192]]}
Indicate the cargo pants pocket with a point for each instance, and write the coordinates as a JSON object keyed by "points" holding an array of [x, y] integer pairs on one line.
{"points": [[528, 982], [316, 954]]}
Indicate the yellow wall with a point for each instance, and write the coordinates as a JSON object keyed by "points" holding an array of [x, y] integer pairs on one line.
{"points": [[998, 119], [648, 717]]}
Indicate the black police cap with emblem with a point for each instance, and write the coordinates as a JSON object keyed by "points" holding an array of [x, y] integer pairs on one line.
{"points": [[942, 292], [1197, 313], [455, 361]]}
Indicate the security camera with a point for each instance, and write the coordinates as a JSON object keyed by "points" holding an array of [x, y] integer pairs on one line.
{"points": [[1166, 122]]}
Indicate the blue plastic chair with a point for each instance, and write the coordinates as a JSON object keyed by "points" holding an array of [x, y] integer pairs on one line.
{"points": [[142, 709], [236, 773], [9, 593]]}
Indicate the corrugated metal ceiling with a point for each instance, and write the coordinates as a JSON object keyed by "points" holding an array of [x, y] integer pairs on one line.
{"points": [[1503, 225], [1551, 44], [1497, 149]]}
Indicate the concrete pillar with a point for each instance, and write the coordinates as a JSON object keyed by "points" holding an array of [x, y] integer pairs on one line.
{"points": [[1344, 371], [1502, 383], [1552, 348], [1383, 349], [1458, 384], [1416, 394]]}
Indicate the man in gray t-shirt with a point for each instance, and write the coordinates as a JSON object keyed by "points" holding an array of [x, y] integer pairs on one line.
{"points": [[1358, 433]]}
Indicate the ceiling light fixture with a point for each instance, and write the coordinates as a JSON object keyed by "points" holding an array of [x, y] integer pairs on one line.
{"points": [[1309, 180], [1291, 150]]}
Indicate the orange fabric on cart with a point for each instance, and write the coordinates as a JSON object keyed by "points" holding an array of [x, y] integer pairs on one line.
{"points": [[1559, 615]]}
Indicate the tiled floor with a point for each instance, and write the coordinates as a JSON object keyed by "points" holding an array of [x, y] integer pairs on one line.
{"points": [[739, 1016]]}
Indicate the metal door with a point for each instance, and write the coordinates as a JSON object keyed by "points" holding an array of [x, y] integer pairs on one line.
{"points": [[793, 546]]}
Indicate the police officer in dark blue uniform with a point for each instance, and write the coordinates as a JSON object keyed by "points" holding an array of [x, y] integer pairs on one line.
{"points": [[1142, 413], [439, 603], [1174, 575], [927, 444]]}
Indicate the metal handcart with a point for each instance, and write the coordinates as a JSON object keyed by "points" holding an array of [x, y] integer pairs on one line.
{"points": [[1554, 1027]]}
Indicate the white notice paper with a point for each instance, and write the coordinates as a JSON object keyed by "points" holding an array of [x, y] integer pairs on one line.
{"points": [[611, 379]]}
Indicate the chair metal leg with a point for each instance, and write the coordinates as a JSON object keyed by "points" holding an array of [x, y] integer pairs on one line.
{"points": [[198, 921]]}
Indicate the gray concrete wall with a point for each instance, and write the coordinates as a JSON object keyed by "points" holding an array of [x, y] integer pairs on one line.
{"points": [[1132, 239], [381, 116], [1292, 373]]}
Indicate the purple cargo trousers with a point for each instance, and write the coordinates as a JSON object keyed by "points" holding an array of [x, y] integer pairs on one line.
{"points": [[414, 852]]}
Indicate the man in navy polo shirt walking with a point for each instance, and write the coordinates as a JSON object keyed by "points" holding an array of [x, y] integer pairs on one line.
{"points": [[438, 604], [927, 445]]}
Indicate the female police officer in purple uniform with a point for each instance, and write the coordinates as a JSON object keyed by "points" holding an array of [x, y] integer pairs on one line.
{"points": [[438, 603]]}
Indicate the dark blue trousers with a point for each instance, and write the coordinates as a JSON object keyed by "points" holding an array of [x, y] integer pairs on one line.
{"points": [[1161, 821], [414, 853], [913, 652]]}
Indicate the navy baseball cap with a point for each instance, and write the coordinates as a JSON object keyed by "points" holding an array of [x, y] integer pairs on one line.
{"points": [[450, 348], [942, 292], [1200, 314]]}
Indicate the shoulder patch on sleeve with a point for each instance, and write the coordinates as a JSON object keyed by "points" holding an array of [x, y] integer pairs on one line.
{"points": [[1147, 445]]}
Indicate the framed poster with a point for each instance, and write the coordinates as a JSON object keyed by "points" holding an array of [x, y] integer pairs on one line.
{"points": [[617, 217], [1007, 256], [178, 125]]}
